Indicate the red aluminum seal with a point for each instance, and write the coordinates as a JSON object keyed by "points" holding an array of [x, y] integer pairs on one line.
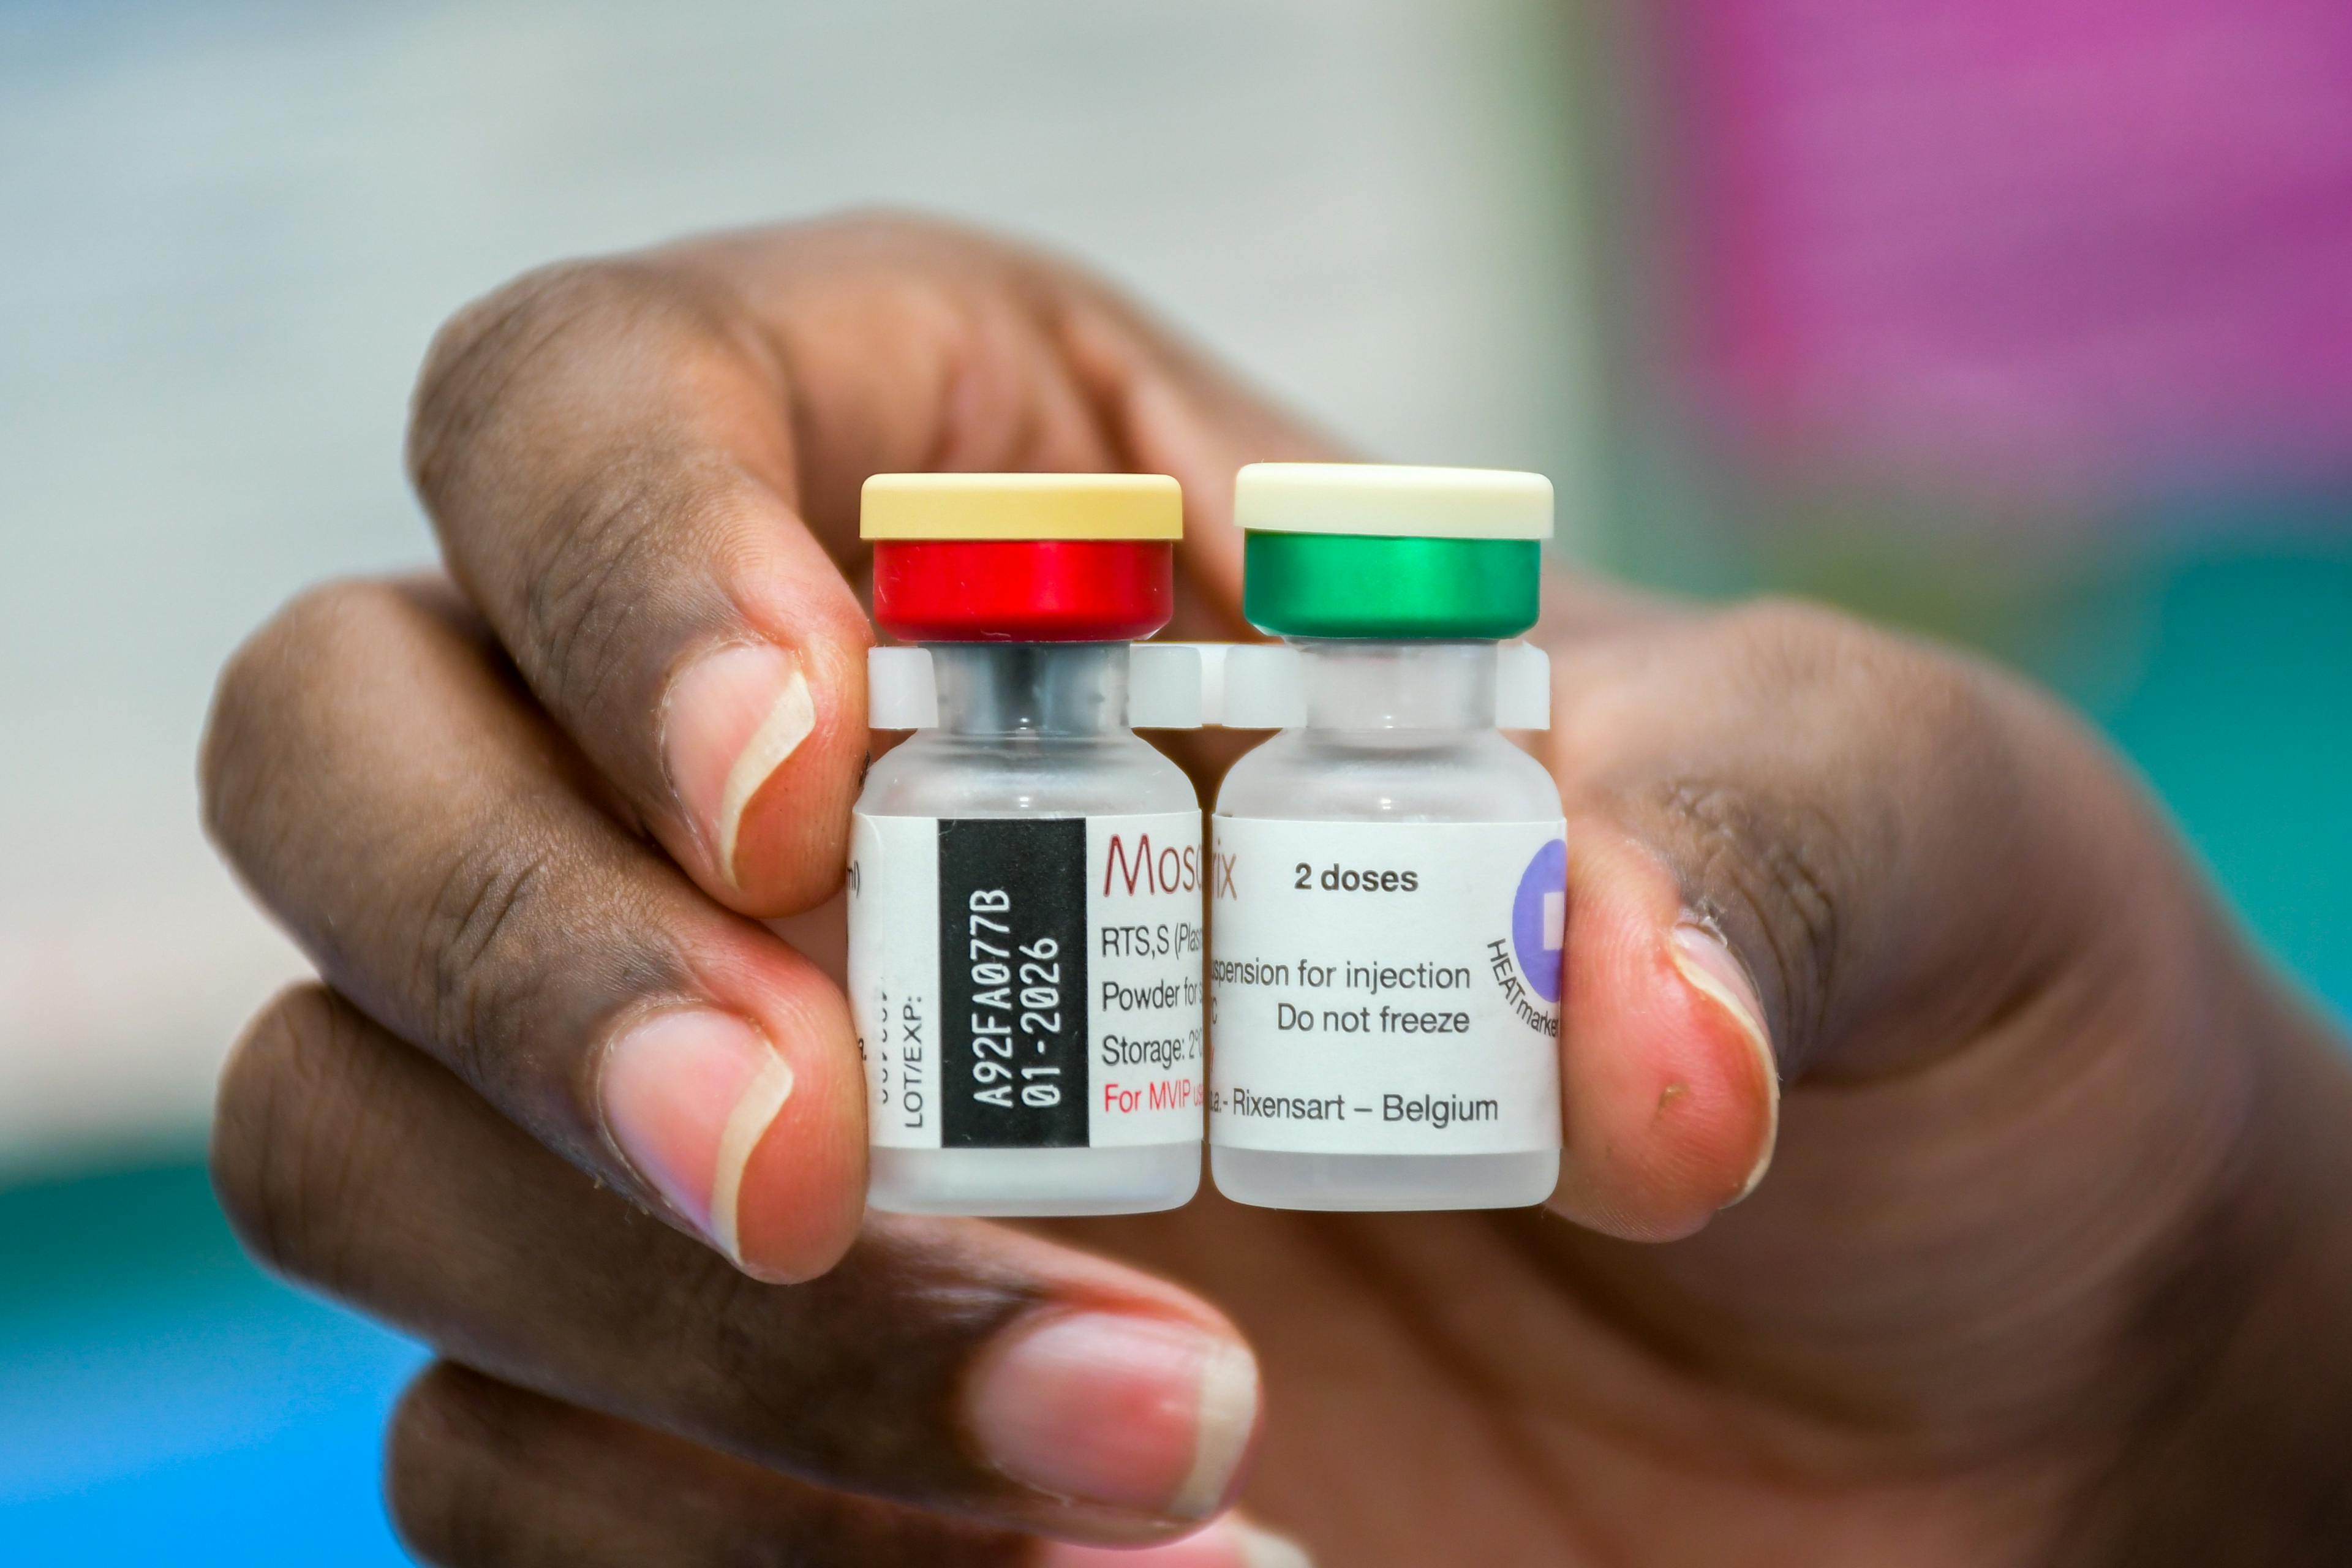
{"points": [[1023, 590]]}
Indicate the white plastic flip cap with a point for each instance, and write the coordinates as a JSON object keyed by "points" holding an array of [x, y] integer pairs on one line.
{"points": [[1392, 500]]}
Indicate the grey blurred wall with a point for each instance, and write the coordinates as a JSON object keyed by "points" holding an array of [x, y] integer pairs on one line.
{"points": [[226, 231]]}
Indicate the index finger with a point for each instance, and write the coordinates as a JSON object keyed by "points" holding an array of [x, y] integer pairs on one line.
{"points": [[644, 472]]}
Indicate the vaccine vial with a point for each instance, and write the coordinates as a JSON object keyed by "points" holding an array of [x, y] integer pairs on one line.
{"points": [[1388, 874], [1025, 876]]}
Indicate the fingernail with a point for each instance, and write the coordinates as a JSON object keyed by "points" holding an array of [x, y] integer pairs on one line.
{"points": [[687, 1095], [1133, 1413], [1264, 1549], [1231, 1543], [730, 722], [1709, 965]]}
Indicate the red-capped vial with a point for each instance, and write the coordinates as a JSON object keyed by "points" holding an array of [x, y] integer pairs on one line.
{"points": [[1025, 875]]}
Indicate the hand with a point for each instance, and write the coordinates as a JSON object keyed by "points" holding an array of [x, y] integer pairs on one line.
{"points": [[2040, 1272]]}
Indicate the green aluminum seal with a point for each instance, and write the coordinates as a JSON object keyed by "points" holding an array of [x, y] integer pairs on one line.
{"points": [[1367, 586]]}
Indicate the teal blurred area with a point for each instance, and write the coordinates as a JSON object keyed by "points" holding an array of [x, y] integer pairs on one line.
{"points": [[2220, 665], [163, 1401], [2241, 717]]}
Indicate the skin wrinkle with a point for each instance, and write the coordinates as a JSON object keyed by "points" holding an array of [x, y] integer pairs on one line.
{"points": [[498, 899], [596, 554], [793, 433], [1643, 1316], [294, 1203], [1107, 391], [2202, 1306], [1538, 1243], [522, 325], [474, 362], [487, 903], [741, 329], [1028, 443], [1808, 1044], [563, 1485], [528, 871], [604, 557], [2189, 1311], [872, 1405], [1798, 1470], [985, 374], [1727, 1343], [1347, 1240], [1105, 395], [761, 1364], [1726, 851], [490, 1039]]}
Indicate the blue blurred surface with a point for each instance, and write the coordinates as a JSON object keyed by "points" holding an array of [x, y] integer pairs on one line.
{"points": [[160, 1400]]}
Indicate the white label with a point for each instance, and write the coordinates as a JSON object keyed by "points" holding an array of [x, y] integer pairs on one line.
{"points": [[1028, 982], [1386, 988]]}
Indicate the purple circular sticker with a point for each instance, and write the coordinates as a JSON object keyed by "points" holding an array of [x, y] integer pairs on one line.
{"points": [[1539, 919]]}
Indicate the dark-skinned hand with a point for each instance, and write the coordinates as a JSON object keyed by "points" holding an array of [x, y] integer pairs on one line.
{"points": [[2037, 1254]]}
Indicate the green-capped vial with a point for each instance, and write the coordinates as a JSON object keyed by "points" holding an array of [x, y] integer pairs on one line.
{"points": [[1389, 872]]}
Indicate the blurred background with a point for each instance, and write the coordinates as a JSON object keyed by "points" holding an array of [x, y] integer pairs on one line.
{"points": [[2024, 323]]}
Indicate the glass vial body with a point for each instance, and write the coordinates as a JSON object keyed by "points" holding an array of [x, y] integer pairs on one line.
{"points": [[1032, 750], [1399, 736]]}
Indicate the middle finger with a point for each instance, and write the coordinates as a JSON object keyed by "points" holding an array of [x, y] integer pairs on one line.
{"points": [[389, 794]]}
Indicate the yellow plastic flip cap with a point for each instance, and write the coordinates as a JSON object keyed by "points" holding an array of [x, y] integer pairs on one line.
{"points": [[1022, 506]]}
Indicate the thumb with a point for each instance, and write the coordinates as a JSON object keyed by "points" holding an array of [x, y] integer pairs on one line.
{"points": [[1797, 846]]}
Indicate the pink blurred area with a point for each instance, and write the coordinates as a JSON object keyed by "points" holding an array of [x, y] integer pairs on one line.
{"points": [[2101, 248]]}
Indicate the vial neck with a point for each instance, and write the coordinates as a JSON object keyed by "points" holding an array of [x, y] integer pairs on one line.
{"points": [[1058, 690], [1407, 686]]}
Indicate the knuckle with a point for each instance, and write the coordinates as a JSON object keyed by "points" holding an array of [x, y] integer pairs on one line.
{"points": [[1798, 647], [283, 1162], [258, 701], [482, 351], [489, 939], [439, 1485], [609, 566], [279, 704], [906, 240], [1846, 679], [1890, 728], [855, 1377], [729, 1319], [903, 225], [1771, 871], [1869, 732], [526, 946], [1771, 855], [532, 330]]}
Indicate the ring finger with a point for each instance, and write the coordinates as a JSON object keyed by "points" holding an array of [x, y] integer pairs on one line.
{"points": [[951, 1366]]}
